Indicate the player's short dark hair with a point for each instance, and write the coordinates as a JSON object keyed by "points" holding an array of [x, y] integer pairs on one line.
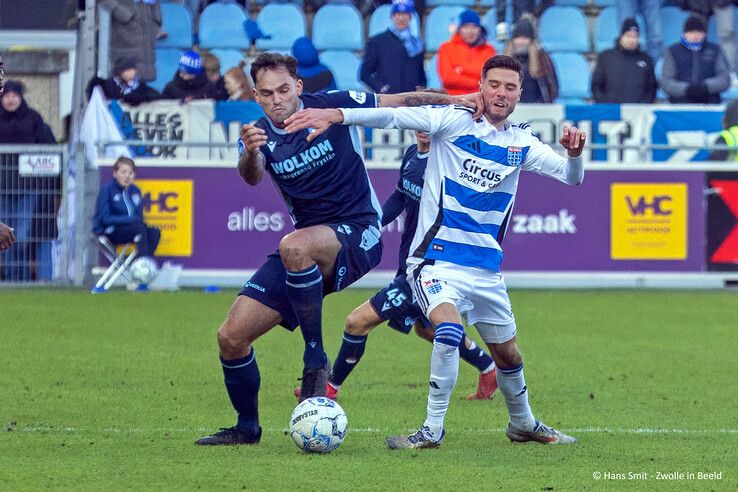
{"points": [[502, 61], [269, 60], [124, 160]]}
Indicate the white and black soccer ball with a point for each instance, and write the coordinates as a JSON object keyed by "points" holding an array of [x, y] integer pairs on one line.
{"points": [[318, 425], [143, 270]]}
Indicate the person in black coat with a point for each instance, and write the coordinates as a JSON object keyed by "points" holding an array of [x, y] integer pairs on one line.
{"points": [[624, 73], [190, 81], [393, 60], [22, 197], [125, 84]]}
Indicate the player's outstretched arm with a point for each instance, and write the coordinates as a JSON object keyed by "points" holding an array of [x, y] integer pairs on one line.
{"points": [[251, 160], [7, 238], [317, 119], [411, 99]]}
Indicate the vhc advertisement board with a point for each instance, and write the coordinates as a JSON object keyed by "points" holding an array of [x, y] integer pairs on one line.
{"points": [[618, 221]]}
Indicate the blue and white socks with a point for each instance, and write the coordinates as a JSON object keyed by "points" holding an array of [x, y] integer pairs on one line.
{"points": [[443, 375], [511, 383]]}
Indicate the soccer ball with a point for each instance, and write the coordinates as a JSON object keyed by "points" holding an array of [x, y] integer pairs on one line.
{"points": [[143, 270], [318, 425]]}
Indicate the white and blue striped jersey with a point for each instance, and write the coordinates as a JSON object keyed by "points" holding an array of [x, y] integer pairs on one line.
{"points": [[470, 181]]}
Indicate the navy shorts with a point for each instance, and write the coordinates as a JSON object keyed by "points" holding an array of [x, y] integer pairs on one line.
{"points": [[361, 250], [395, 303]]}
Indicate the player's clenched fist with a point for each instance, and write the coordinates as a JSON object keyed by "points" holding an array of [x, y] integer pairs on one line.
{"points": [[252, 138]]}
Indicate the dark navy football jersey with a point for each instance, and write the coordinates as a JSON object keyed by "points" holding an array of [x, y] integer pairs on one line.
{"points": [[323, 181], [410, 183]]}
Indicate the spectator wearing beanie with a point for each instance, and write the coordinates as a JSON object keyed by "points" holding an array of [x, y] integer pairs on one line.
{"points": [[314, 75], [393, 60], [694, 70], [461, 58], [134, 27], [125, 84], [190, 81], [20, 197], [540, 84], [624, 73], [729, 136]]}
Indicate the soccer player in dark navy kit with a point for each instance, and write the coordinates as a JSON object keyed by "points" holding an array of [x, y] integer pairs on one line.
{"points": [[395, 303], [336, 241]]}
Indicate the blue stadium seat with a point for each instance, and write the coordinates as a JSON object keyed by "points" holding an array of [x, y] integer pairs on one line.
{"points": [[464, 3], [574, 76], [221, 26], [380, 21], [338, 26], [489, 21], [438, 24], [431, 73], [345, 67], [672, 22], [605, 3], [228, 58], [607, 29], [573, 3], [167, 61], [177, 23], [284, 22], [563, 29]]}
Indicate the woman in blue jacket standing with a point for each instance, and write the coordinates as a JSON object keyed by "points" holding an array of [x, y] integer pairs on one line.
{"points": [[119, 211]]}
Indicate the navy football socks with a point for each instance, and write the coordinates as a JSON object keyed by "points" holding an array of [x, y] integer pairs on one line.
{"points": [[475, 356], [305, 291], [242, 381], [352, 348]]}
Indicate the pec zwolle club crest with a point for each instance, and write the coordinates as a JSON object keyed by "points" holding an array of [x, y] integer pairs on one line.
{"points": [[514, 156]]}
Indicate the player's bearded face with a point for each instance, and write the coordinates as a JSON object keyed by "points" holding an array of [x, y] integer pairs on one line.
{"points": [[501, 93], [277, 92]]}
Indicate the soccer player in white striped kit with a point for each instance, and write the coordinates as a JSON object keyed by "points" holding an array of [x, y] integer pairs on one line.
{"points": [[454, 267]]}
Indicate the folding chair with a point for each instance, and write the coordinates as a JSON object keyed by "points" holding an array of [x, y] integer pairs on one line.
{"points": [[119, 262]]}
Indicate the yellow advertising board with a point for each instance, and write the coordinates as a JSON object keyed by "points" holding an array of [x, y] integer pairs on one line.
{"points": [[648, 221], [168, 206]]}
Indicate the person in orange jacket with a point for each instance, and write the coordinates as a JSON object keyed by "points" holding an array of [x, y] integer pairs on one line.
{"points": [[460, 59]]}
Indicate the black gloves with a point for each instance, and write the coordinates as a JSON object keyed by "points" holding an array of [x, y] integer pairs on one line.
{"points": [[697, 92]]}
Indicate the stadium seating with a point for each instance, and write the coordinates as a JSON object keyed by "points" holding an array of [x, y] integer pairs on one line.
{"points": [[167, 61], [607, 29], [338, 26], [221, 26], [572, 70], [572, 3], [438, 25], [672, 22], [345, 67], [380, 21], [284, 22], [176, 22], [563, 29], [228, 58], [464, 3], [489, 21], [431, 73]]}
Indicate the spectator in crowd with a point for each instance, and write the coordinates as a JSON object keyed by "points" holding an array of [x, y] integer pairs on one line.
{"points": [[237, 84], [125, 84], [211, 65], [729, 136], [20, 195], [134, 27], [624, 73], [314, 75], [694, 70], [119, 210], [190, 81], [520, 8], [460, 59], [540, 84], [393, 60], [723, 11], [649, 10]]}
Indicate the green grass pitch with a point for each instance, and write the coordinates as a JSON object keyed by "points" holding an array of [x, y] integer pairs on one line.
{"points": [[109, 392]]}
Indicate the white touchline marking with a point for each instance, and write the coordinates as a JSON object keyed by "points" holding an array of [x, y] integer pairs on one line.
{"points": [[369, 430]]}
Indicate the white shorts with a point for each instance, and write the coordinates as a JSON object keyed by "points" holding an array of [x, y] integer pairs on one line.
{"points": [[480, 294]]}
